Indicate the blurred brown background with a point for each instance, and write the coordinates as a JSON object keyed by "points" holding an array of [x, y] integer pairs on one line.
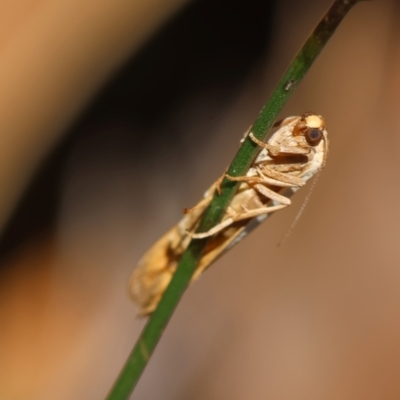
{"points": [[114, 116]]}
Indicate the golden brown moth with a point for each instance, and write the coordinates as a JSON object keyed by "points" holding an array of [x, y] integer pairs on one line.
{"points": [[295, 152]]}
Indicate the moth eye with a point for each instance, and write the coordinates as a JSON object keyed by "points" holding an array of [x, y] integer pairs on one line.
{"points": [[313, 136]]}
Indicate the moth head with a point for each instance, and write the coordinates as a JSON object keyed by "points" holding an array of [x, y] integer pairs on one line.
{"points": [[311, 126]]}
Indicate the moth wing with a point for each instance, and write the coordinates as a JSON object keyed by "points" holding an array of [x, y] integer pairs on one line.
{"points": [[219, 244], [155, 269], [157, 266], [245, 198]]}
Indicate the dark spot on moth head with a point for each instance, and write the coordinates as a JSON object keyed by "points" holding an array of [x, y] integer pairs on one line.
{"points": [[313, 136]]}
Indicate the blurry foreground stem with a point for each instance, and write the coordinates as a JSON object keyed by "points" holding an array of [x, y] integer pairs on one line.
{"points": [[157, 322]]}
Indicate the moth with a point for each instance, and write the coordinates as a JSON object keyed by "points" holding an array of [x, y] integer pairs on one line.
{"points": [[295, 152]]}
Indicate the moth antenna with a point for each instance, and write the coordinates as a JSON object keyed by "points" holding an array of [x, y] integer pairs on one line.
{"points": [[300, 212]]}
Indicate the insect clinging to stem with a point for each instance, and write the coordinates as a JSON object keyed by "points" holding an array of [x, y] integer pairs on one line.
{"points": [[295, 152]]}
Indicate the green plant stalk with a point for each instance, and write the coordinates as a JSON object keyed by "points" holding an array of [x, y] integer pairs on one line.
{"points": [[157, 322]]}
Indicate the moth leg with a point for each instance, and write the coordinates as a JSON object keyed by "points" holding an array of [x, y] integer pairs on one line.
{"points": [[259, 185], [280, 167], [218, 184], [238, 217], [282, 179], [205, 201], [274, 150], [246, 134], [235, 216], [217, 228], [279, 150], [251, 179], [267, 192], [258, 211], [261, 179]]}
